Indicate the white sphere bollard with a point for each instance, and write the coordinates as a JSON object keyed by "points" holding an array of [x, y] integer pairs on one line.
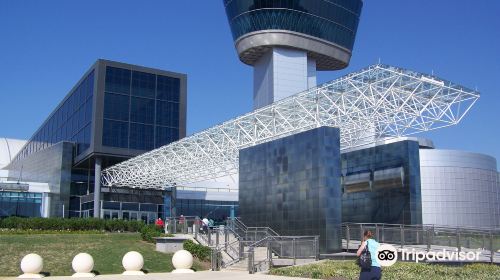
{"points": [[133, 263], [31, 266], [182, 261], [83, 264]]}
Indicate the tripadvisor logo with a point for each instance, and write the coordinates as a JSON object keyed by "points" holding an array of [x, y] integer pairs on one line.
{"points": [[387, 255]]}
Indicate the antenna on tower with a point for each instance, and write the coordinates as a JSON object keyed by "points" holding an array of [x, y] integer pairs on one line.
{"points": [[379, 60]]}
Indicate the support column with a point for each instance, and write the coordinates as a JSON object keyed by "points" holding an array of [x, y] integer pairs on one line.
{"points": [[97, 188]]}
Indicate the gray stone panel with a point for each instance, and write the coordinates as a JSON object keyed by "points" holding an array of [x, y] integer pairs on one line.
{"points": [[53, 166]]}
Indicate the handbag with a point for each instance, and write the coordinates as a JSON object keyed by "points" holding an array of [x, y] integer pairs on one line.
{"points": [[365, 259]]}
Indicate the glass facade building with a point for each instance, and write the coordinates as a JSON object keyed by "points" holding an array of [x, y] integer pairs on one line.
{"points": [[116, 111], [217, 210], [141, 110], [71, 121], [21, 204]]}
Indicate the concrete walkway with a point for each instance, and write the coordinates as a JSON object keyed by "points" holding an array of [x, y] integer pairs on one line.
{"points": [[205, 275]]}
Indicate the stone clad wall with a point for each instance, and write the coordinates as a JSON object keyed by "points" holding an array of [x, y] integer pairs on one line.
{"points": [[292, 185]]}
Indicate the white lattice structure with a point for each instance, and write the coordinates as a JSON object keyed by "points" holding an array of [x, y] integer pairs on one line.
{"points": [[377, 102]]}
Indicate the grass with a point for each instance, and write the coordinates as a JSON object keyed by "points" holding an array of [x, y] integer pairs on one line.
{"points": [[58, 250], [421, 271]]}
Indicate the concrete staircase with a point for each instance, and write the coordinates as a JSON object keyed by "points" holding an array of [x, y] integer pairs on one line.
{"points": [[260, 254]]}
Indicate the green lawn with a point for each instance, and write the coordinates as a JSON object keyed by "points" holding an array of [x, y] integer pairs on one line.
{"points": [[58, 250], [349, 270]]}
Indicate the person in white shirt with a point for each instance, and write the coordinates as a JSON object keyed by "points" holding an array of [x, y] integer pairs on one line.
{"points": [[205, 224]]}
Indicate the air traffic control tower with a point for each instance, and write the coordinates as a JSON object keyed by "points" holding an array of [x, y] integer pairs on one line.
{"points": [[287, 41]]}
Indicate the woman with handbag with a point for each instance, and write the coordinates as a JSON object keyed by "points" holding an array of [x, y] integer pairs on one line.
{"points": [[367, 253]]}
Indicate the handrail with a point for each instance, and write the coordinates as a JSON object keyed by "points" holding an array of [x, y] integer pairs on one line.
{"points": [[230, 245], [246, 240], [482, 230], [427, 236]]}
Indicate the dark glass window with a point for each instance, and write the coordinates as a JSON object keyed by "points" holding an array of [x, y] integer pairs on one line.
{"points": [[168, 88], [81, 118], [74, 120], [165, 135], [20, 204], [141, 136], [142, 110], [131, 206], [335, 20], [149, 207], [90, 85], [88, 111], [167, 113], [111, 205], [86, 138], [117, 80], [116, 106], [143, 84], [115, 134]]}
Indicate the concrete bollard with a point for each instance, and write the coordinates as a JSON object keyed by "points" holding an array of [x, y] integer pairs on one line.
{"points": [[133, 263], [31, 266], [83, 264], [182, 261]]}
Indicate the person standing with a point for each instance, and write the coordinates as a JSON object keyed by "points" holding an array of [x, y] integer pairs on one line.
{"points": [[205, 225], [374, 272], [159, 223]]}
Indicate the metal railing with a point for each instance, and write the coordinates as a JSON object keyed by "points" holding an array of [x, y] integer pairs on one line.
{"points": [[282, 247], [234, 242], [267, 242], [182, 225], [426, 237]]}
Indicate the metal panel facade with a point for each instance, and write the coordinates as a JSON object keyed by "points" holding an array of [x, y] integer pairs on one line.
{"points": [[292, 185]]}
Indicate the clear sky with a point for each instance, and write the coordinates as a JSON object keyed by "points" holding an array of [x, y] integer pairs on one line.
{"points": [[45, 47]]}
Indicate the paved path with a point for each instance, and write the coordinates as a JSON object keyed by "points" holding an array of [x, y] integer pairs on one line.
{"points": [[205, 275]]}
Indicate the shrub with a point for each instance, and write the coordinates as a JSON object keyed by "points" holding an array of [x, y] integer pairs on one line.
{"points": [[149, 232], [73, 224], [199, 251]]}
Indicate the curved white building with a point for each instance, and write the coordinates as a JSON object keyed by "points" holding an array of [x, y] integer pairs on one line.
{"points": [[459, 188], [8, 150]]}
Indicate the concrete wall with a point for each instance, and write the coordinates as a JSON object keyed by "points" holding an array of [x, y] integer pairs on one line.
{"points": [[459, 189], [280, 73]]}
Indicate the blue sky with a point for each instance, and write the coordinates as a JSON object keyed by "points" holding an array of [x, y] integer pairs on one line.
{"points": [[45, 47]]}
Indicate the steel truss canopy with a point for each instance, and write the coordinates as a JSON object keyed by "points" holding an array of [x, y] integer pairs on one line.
{"points": [[375, 103]]}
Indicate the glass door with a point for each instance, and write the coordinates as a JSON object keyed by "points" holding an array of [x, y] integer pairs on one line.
{"points": [[111, 214], [134, 216], [144, 217], [129, 215]]}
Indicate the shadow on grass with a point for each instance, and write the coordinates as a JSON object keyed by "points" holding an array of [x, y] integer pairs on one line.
{"points": [[96, 272], [45, 274]]}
